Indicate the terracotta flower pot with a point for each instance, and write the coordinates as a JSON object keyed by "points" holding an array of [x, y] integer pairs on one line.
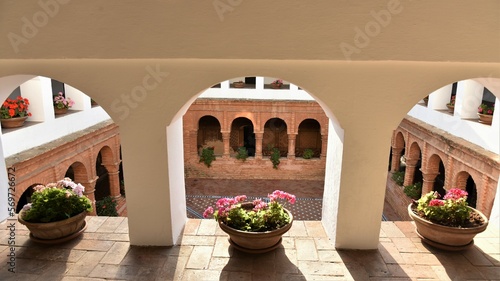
{"points": [[239, 84], [60, 111], [276, 86], [451, 108], [55, 232], [446, 237], [485, 118], [15, 122], [256, 242]]}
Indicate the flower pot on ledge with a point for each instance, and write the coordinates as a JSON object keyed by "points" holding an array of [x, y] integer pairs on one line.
{"points": [[276, 85], [446, 237], [256, 242], [56, 232], [451, 108], [485, 118], [14, 122], [60, 111]]}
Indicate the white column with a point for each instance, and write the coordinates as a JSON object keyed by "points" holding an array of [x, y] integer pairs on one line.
{"points": [[82, 101], [39, 93], [224, 85], [440, 97], [293, 87], [259, 83], [469, 97]]}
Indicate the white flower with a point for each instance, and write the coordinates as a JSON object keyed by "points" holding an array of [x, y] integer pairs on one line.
{"points": [[27, 207], [79, 189]]}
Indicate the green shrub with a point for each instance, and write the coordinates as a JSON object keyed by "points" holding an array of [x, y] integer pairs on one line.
{"points": [[275, 157], [106, 207], [308, 153], [207, 156], [413, 191], [399, 178], [242, 153]]}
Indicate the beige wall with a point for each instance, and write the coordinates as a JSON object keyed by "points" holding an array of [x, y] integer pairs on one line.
{"points": [[109, 50]]}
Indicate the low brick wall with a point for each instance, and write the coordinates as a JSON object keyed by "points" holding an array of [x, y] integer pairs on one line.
{"points": [[232, 168], [397, 199]]}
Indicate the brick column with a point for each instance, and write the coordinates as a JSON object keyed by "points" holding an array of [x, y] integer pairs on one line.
{"points": [[114, 179], [396, 158], [428, 183], [193, 143], [258, 145], [291, 146], [89, 192], [324, 144], [226, 139], [410, 171]]}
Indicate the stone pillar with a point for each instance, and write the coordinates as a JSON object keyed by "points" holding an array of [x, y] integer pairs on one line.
{"points": [[410, 171], [226, 139], [395, 161], [428, 183], [258, 145], [469, 97], [291, 146], [89, 192]]}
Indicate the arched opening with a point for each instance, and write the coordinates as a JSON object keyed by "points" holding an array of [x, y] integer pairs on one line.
{"points": [[209, 134], [25, 197], [467, 183], [242, 135], [275, 136], [102, 186], [470, 187], [440, 179], [309, 138]]}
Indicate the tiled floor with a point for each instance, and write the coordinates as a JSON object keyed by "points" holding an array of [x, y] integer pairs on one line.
{"points": [[103, 252], [201, 193]]}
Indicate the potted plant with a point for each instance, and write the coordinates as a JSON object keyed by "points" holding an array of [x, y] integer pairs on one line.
{"points": [[277, 84], [275, 157], [61, 104], [308, 153], [485, 113], [253, 227], [242, 153], [57, 212], [14, 112], [448, 224], [207, 156], [451, 105], [239, 84]]}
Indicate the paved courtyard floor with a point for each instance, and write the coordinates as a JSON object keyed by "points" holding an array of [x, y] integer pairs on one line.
{"points": [[103, 252], [201, 193]]}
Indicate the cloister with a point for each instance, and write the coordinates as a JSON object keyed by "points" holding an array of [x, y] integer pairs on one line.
{"points": [[145, 63]]}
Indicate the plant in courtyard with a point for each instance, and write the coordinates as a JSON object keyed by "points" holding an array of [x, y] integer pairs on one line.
{"points": [[308, 153], [399, 177], [275, 157], [278, 82], [12, 108], [61, 102], [207, 156], [485, 109], [413, 190], [256, 216], [452, 101], [106, 207], [452, 210], [56, 201], [242, 153]]}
